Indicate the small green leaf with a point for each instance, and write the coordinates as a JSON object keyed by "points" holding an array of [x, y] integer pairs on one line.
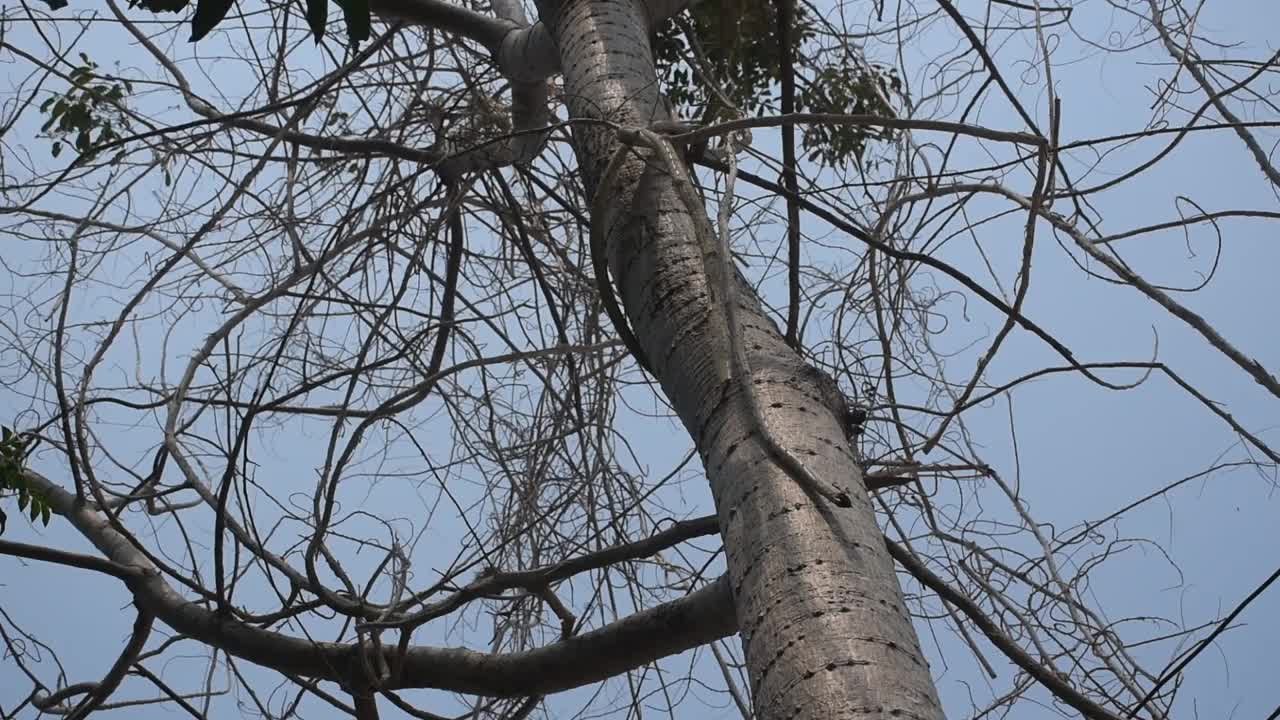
{"points": [[317, 17], [57, 149], [45, 514], [207, 16], [56, 4], [356, 15], [160, 5]]}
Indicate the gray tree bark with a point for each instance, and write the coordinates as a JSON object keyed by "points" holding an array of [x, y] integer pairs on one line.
{"points": [[821, 615]]}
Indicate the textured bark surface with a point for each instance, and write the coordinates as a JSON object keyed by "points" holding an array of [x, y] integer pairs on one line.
{"points": [[822, 617]]}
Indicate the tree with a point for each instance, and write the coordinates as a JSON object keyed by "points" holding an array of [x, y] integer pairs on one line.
{"points": [[381, 260]]}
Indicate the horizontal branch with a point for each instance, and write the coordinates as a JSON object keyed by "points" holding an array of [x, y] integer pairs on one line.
{"points": [[1211, 217], [698, 618], [701, 134], [70, 559], [491, 584]]}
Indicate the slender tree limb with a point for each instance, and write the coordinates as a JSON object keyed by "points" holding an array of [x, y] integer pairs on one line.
{"points": [[1052, 682], [492, 584], [141, 631], [922, 258], [701, 616], [785, 15], [601, 201], [1210, 217], [70, 559], [704, 133], [53, 699], [1043, 183], [1195, 321], [1190, 61], [179, 700], [1222, 626]]}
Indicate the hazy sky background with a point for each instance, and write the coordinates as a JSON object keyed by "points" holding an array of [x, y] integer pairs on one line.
{"points": [[1082, 451]]}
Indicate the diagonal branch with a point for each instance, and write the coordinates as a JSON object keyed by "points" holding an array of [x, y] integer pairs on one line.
{"points": [[489, 585], [70, 559], [701, 616], [1051, 681], [102, 690]]}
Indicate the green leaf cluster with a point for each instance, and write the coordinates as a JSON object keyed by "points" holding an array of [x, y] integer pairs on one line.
{"points": [[14, 448], [91, 105], [853, 91], [209, 13], [739, 43]]}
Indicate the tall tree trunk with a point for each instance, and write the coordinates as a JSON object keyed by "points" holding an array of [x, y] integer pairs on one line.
{"points": [[822, 618]]}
